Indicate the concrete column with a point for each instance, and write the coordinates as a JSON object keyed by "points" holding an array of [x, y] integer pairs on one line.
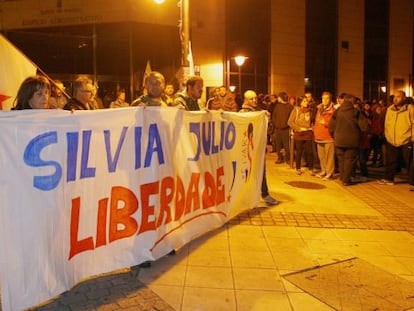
{"points": [[350, 76], [287, 47], [400, 55]]}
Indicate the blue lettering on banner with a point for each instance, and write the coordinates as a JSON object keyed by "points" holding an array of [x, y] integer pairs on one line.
{"points": [[86, 143], [72, 155], [205, 134], [32, 158], [113, 162], [39, 143], [154, 145]]}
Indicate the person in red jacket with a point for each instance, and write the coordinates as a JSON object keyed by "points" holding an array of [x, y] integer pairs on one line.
{"points": [[324, 141]]}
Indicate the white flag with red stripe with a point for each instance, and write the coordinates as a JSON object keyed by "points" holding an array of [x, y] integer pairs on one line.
{"points": [[14, 68]]}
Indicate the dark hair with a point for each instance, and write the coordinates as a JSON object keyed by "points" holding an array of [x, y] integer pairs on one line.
{"points": [[79, 83], [191, 81], [299, 100], [120, 91], [283, 96], [29, 86], [350, 99], [250, 130], [342, 95]]}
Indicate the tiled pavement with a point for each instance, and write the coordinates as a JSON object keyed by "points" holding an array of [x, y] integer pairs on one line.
{"points": [[241, 265]]}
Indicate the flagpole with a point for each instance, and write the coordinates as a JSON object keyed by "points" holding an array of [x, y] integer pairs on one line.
{"points": [[185, 17], [94, 43], [131, 67], [184, 30], [51, 80]]}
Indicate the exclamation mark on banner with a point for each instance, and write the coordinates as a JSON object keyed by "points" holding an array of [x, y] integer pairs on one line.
{"points": [[234, 174]]}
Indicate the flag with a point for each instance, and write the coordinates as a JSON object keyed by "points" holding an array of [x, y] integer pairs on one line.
{"points": [[14, 68], [146, 73]]}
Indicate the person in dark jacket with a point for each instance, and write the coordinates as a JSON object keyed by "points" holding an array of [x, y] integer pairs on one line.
{"points": [[346, 127], [83, 94], [280, 116], [188, 99]]}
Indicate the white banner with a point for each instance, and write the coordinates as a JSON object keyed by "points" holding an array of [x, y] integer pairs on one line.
{"points": [[95, 191]]}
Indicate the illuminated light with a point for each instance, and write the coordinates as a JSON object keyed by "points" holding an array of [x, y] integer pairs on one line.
{"points": [[159, 1], [383, 89], [232, 88], [240, 60]]}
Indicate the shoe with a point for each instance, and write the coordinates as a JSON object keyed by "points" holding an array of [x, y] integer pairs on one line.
{"points": [[350, 183], [327, 177], [411, 188], [321, 174], [385, 182], [363, 179], [299, 172], [354, 180], [279, 159], [270, 201]]}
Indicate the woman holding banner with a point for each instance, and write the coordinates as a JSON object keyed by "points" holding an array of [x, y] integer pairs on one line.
{"points": [[33, 93]]}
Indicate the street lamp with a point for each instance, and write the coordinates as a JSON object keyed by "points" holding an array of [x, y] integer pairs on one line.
{"points": [[239, 60]]}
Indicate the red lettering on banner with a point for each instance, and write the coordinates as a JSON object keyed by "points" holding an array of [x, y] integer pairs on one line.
{"points": [[221, 193], [193, 196], [122, 216], [179, 199], [101, 226], [148, 211], [123, 204], [213, 193], [166, 197], [77, 246], [209, 193]]}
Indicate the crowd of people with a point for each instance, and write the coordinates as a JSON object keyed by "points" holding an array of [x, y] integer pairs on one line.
{"points": [[344, 135], [327, 137]]}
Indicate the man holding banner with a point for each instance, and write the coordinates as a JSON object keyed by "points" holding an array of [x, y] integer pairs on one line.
{"points": [[155, 85], [249, 105], [83, 93], [188, 99]]}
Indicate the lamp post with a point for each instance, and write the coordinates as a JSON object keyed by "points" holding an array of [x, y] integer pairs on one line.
{"points": [[239, 60]]}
